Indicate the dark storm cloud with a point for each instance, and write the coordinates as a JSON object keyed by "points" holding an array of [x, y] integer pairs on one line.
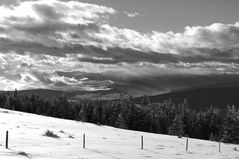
{"points": [[31, 27], [97, 61], [92, 54], [192, 55], [21, 47], [117, 54]]}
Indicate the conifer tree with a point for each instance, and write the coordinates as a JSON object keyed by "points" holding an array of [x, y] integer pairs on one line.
{"points": [[120, 122], [230, 126], [145, 100], [177, 127], [7, 103]]}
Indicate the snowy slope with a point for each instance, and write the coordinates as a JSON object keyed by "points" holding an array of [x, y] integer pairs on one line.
{"points": [[26, 140]]}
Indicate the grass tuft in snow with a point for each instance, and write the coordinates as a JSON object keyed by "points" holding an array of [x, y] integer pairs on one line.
{"points": [[70, 136], [62, 131], [49, 133], [235, 149], [24, 154]]}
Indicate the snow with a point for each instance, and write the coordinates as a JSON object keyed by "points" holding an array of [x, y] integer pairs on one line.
{"points": [[26, 140]]}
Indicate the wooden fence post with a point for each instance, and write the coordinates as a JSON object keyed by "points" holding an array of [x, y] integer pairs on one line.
{"points": [[219, 146], [83, 141], [6, 140], [142, 142], [187, 144]]}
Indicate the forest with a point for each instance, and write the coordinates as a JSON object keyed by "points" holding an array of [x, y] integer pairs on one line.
{"points": [[167, 117]]}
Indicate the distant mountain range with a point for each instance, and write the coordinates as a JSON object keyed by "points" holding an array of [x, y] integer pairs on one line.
{"points": [[73, 95], [198, 98], [201, 98]]}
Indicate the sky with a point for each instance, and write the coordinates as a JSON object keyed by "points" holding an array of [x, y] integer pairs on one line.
{"points": [[145, 46]]}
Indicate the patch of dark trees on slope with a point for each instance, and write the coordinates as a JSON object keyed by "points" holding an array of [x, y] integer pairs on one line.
{"points": [[163, 118]]}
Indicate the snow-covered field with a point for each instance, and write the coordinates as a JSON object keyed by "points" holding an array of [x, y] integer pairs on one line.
{"points": [[26, 140]]}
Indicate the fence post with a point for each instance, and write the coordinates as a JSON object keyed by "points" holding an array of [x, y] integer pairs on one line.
{"points": [[219, 146], [187, 144], [142, 142], [83, 141], [6, 140]]}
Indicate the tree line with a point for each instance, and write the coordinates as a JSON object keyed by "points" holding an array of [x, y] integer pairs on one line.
{"points": [[163, 118]]}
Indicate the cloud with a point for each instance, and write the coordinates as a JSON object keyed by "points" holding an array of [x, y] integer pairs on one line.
{"points": [[30, 71], [72, 45], [45, 26], [223, 37], [131, 14], [43, 71], [51, 22]]}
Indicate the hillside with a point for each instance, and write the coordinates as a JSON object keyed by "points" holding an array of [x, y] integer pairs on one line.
{"points": [[201, 98], [26, 140], [74, 95], [198, 98]]}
